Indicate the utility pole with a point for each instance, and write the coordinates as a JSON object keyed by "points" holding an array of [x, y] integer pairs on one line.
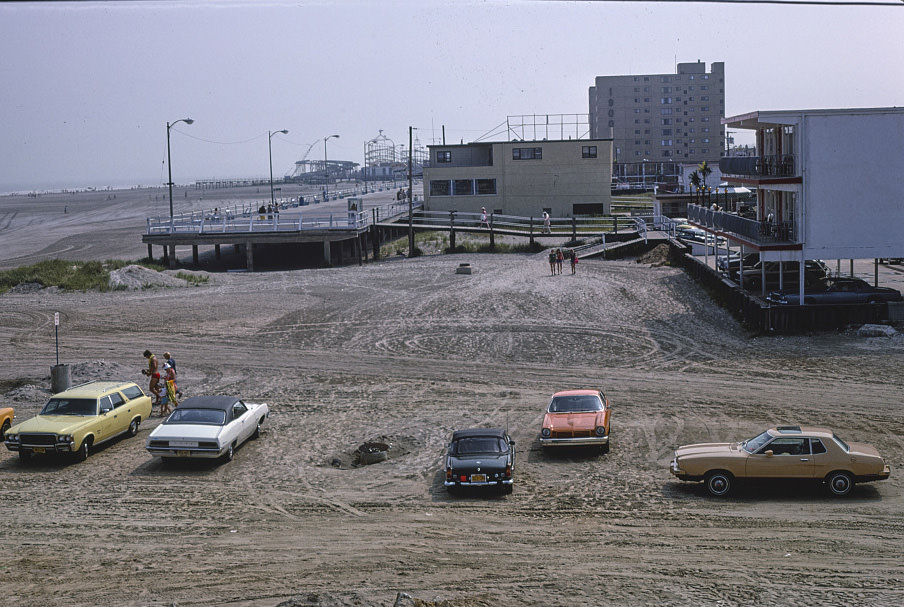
{"points": [[410, 198]]}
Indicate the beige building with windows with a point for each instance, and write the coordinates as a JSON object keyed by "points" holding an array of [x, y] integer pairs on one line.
{"points": [[662, 117], [524, 178]]}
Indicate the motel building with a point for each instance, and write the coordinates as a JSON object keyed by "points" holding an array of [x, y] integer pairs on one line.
{"points": [[565, 178], [827, 184]]}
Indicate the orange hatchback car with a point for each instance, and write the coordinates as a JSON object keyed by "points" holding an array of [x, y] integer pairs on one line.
{"points": [[576, 418]]}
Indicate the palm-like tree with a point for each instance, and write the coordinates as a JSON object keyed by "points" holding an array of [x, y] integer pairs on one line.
{"points": [[704, 171], [695, 179]]}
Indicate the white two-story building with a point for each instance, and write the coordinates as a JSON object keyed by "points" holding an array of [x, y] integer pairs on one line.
{"points": [[828, 186]]}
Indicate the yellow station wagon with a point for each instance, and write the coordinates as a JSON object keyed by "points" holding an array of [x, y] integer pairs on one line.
{"points": [[80, 418]]}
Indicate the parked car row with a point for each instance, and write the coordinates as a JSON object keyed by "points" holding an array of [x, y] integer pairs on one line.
{"points": [[841, 290], [75, 421], [81, 418]]}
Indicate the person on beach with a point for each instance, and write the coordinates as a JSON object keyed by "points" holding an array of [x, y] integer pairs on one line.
{"points": [[153, 373], [170, 398], [484, 222], [169, 360], [546, 229], [574, 260], [552, 262], [560, 257]]}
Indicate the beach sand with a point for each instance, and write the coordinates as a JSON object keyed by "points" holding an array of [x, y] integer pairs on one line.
{"points": [[405, 351]]}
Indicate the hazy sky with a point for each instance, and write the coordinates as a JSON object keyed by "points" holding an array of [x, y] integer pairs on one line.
{"points": [[87, 88]]}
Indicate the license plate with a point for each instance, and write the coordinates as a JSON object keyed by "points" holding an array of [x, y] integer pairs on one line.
{"points": [[38, 449], [182, 443], [183, 453], [478, 478]]}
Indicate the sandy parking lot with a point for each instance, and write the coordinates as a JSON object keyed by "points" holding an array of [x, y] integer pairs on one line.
{"points": [[406, 351]]}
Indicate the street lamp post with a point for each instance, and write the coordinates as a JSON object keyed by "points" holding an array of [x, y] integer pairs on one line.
{"points": [[410, 201], [270, 135], [169, 164], [326, 168]]}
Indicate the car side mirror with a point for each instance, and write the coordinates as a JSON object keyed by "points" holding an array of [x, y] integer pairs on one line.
{"points": [[105, 410]]}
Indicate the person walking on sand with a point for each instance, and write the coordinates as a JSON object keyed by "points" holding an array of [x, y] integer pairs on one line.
{"points": [[552, 262], [170, 379], [546, 229], [154, 373], [560, 257], [574, 260], [484, 222], [169, 360]]}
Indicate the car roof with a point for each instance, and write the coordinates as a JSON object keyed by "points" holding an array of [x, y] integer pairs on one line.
{"points": [[576, 393], [93, 389], [222, 403], [469, 432], [799, 430]]}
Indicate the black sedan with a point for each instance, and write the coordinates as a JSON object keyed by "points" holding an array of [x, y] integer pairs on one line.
{"points": [[839, 290], [480, 457]]}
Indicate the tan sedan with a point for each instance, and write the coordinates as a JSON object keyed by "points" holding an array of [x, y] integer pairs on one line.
{"points": [[791, 452]]}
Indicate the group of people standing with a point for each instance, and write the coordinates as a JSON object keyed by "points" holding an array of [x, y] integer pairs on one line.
{"points": [[165, 395], [557, 259]]}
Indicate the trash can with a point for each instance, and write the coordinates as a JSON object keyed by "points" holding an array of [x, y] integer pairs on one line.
{"points": [[60, 378]]}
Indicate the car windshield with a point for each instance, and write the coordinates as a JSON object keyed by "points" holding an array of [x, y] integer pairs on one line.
{"points": [[474, 445], [756, 443], [574, 404], [181, 415], [70, 406]]}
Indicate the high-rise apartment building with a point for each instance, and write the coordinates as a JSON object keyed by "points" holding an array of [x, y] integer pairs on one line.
{"points": [[662, 117]]}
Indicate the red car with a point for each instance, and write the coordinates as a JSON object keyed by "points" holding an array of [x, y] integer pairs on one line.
{"points": [[576, 418]]}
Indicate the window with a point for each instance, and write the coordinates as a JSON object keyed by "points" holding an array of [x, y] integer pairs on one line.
{"points": [[527, 153], [666, 100], [665, 90], [704, 98], [117, 399], [666, 142], [588, 151], [817, 445], [637, 131], [486, 187], [705, 108], [133, 392], [463, 187], [444, 156], [666, 132], [440, 188], [665, 111], [666, 121]]}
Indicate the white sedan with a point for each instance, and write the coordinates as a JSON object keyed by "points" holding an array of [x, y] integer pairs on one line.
{"points": [[207, 427]]}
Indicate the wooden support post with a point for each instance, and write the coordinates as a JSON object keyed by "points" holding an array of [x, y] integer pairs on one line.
{"points": [[172, 256], [532, 231], [492, 234], [150, 253], [249, 257], [326, 253], [194, 254], [452, 230], [574, 228], [216, 251]]}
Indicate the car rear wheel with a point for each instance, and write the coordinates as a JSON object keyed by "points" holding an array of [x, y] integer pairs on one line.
{"points": [[4, 429], [840, 484], [257, 431], [718, 483], [133, 427], [507, 489]]}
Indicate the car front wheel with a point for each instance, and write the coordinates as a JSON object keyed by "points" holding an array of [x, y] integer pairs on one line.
{"points": [[840, 483], [718, 483], [230, 453], [24, 455], [82, 453]]}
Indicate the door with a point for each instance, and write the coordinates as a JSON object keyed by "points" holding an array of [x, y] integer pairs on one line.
{"points": [[784, 457]]}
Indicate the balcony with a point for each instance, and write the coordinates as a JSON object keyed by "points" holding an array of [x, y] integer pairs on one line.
{"points": [[758, 232], [776, 165]]}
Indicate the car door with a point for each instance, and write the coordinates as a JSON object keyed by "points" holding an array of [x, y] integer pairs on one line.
{"points": [[783, 457], [106, 419], [121, 410], [241, 418]]}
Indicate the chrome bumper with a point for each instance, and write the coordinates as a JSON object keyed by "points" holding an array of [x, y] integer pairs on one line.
{"points": [[579, 441]]}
